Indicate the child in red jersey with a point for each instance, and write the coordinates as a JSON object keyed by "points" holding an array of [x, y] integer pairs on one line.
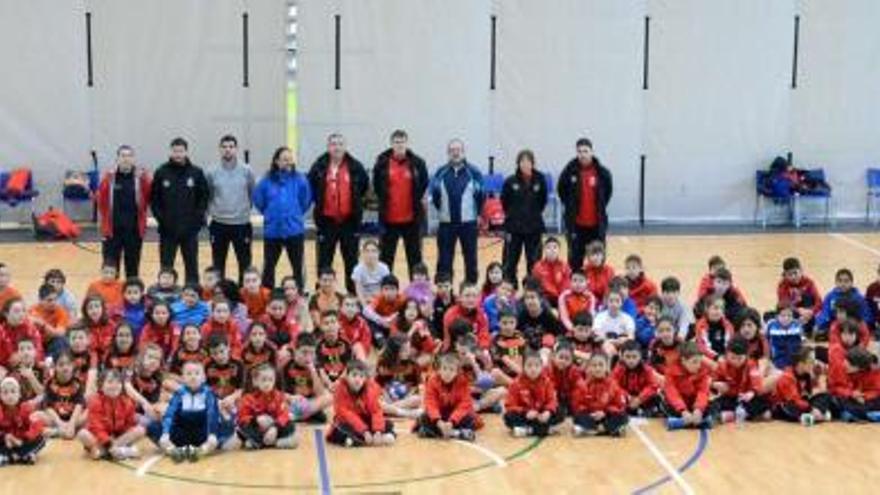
{"points": [[448, 405], [737, 381], [862, 400], [552, 272], [801, 394], [30, 373], [85, 362], [477, 367], [354, 328], [531, 407], [358, 419], [96, 319], [686, 389], [468, 309], [145, 385], [189, 350], [584, 340], [384, 307], [333, 352], [16, 325], [641, 288], [799, 292], [400, 378], [576, 299], [707, 281], [564, 373], [839, 384], [599, 272], [63, 405], [598, 405], [160, 330], [263, 417], [123, 351], [253, 294], [21, 432], [112, 428], [663, 351], [494, 277], [414, 326], [281, 329], [306, 395], [713, 330], [221, 321], [508, 348], [638, 381], [108, 288], [259, 349], [225, 375]]}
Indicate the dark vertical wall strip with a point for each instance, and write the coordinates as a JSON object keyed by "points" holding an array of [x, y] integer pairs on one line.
{"points": [[642, 191], [491, 164], [90, 77], [794, 60], [492, 55], [245, 48], [646, 53], [338, 54]]}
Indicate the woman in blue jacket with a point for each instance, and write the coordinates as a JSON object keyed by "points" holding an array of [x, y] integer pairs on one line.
{"points": [[283, 196]]}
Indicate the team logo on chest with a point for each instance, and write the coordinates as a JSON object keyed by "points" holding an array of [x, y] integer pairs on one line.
{"points": [[190, 182]]}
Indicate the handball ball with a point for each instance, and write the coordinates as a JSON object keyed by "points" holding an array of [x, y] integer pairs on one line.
{"points": [[397, 390]]}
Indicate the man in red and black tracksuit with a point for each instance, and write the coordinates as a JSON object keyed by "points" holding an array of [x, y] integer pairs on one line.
{"points": [[339, 183], [585, 188], [400, 179], [122, 200]]}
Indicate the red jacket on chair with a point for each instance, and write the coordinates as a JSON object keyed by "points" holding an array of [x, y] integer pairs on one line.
{"points": [[104, 200]]}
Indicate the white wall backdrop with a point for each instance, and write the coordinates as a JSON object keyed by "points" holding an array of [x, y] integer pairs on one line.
{"points": [[719, 103], [161, 68]]}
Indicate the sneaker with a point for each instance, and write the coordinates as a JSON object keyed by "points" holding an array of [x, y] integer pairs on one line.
{"points": [[193, 453], [578, 431], [674, 423], [349, 442], [874, 416], [847, 417], [467, 435], [521, 431], [250, 445], [290, 442], [28, 459], [807, 419], [619, 433], [3, 460], [177, 454], [388, 439]]}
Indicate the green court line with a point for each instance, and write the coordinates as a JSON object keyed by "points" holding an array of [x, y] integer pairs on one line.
{"points": [[345, 486]]}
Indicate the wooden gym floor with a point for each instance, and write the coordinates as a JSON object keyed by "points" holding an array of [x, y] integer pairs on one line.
{"points": [[773, 457]]}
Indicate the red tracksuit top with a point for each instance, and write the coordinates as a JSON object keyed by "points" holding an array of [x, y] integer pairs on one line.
{"points": [[641, 289], [640, 382], [110, 417], [477, 319], [598, 278], [746, 378], [526, 394], [790, 390], [230, 330], [793, 294], [868, 383], [272, 403], [362, 411], [16, 420], [356, 330], [167, 338], [864, 338], [597, 394], [448, 401], [687, 391], [555, 277], [564, 380]]}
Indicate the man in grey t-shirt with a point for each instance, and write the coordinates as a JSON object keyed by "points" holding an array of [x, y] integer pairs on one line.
{"points": [[231, 185]]}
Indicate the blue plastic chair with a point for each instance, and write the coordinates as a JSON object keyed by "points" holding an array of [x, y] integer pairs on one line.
{"points": [[764, 192], [72, 200], [493, 183], [873, 183], [824, 196]]}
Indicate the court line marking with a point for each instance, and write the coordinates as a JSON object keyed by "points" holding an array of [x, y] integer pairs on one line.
{"points": [[497, 459], [323, 471], [854, 242], [701, 448], [663, 461], [148, 464]]}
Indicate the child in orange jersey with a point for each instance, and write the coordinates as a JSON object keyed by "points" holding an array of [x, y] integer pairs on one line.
{"points": [[221, 321], [599, 272], [576, 299], [50, 318], [253, 294], [108, 287]]}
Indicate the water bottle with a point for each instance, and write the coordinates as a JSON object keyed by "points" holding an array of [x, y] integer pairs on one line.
{"points": [[740, 415]]}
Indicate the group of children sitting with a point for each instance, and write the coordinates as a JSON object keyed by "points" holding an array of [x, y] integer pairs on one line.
{"points": [[199, 369]]}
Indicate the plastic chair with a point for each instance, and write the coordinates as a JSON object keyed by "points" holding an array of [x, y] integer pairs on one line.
{"points": [[553, 210], [764, 192], [823, 196], [73, 199], [873, 183], [493, 184]]}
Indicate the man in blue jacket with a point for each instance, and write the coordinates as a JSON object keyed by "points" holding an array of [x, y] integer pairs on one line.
{"points": [[457, 194]]}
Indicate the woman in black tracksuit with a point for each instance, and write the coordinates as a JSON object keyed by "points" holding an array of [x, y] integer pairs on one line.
{"points": [[524, 197]]}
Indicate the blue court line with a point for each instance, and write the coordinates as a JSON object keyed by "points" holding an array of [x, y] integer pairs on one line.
{"points": [[321, 452], [701, 447]]}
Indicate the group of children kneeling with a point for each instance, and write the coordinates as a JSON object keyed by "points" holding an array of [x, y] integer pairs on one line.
{"points": [[201, 369]]}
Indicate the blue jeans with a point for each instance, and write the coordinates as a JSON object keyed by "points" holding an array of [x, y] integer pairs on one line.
{"points": [[466, 235]]}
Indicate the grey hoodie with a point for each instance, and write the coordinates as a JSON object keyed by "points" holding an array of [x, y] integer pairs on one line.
{"points": [[232, 186]]}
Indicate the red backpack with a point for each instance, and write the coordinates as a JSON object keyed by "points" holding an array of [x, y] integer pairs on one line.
{"points": [[55, 224], [492, 218]]}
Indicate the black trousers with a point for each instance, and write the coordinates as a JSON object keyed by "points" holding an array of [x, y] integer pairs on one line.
{"points": [[512, 420], [411, 234], [346, 236], [648, 409], [789, 411], [858, 409], [252, 432], [340, 432], [611, 423], [577, 239], [189, 250], [123, 246], [26, 448], [272, 251], [466, 235], [428, 428], [514, 245], [754, 408], [240, 236]]}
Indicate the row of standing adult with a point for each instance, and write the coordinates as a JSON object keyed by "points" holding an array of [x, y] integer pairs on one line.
{"points": [[181, 196]]}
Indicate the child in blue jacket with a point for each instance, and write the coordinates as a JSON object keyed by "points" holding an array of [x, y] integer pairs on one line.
{"points": [[843, 287]]}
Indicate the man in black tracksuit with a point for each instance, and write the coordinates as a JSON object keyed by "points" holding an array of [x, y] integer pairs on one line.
{"points": [[339, 183], [400, 179], [524, 197], [584, 188], [179, 200]]}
